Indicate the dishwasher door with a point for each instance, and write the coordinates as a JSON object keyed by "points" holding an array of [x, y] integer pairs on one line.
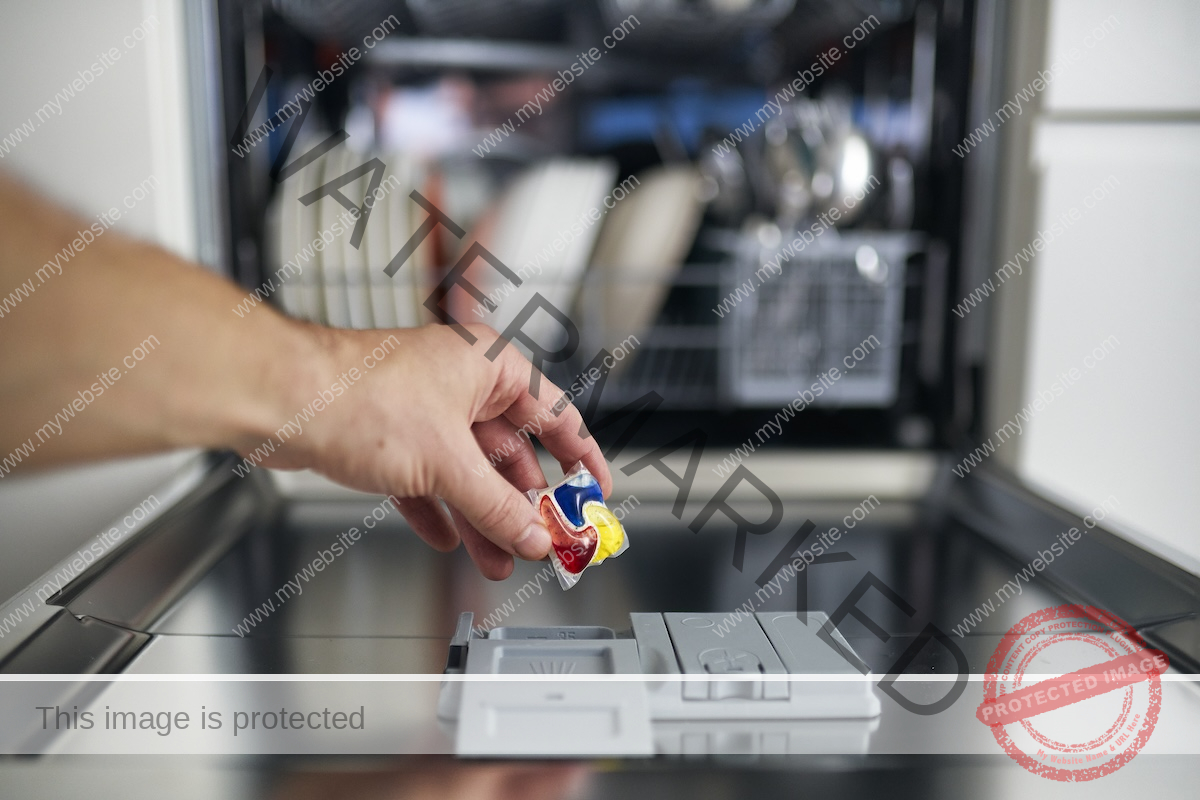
{"points": [[240, 579]]}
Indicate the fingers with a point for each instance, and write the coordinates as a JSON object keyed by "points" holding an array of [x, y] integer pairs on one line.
{"points": [[430, 522], [518, 463], [492, 562], [442, 533], [479, 471], [560, 436], [559, 431], [489, 503]]}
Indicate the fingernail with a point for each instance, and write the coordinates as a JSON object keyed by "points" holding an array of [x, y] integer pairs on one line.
{"points": [[534, 544]]}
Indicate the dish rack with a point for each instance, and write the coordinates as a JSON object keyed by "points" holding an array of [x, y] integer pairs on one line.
{"points": [[676, 356], [775, 341], [834, 309]]}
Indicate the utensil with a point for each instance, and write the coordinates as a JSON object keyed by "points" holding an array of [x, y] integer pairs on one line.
{"points": [[726, 186], [789, 162], [844, 172]]}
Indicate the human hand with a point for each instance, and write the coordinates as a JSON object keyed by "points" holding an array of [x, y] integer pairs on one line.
{"points": [[410, 412], [419, 424]]}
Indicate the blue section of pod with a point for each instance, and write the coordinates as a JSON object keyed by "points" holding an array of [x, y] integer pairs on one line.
{"points": [[571, 498]]}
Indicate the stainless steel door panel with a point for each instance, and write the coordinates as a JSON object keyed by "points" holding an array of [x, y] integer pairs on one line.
{"points": [[295, 654]]}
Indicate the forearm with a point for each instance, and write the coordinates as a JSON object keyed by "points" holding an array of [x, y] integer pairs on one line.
{"points": [[151, 339]]}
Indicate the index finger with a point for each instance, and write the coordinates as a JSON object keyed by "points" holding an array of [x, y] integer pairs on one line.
{"points": [[560, 430]]}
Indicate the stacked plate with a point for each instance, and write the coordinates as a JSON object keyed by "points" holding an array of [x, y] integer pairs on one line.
{"points": [[543, 229], [324, 277], [553, 221], [641, 248]]}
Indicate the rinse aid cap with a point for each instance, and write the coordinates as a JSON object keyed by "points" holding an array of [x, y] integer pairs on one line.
{"points": [[583, 530]]}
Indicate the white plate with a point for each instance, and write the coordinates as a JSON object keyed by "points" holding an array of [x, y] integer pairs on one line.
{"points": [[275, 250], [377, 254], [424, 274], [357, 287], [543, 225], [642, 245], [290, 250], [333, 259], [400, 229], [305, 218]]}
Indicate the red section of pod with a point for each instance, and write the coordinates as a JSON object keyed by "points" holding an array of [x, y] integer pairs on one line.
{"points": [[573, 548]]}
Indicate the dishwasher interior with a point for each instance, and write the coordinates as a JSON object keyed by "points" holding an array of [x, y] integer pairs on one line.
{"points": [[644, 167]]}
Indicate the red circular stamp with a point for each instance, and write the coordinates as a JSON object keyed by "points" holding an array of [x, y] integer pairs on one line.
{"points": [[1072, 693]]}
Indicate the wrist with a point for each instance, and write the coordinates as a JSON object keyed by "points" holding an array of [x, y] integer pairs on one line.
{"points": [[282, 381]]}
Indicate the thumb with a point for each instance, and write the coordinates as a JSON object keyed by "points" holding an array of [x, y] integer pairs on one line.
{"points": [[493, 505]]}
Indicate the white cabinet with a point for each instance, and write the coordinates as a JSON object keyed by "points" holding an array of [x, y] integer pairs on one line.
{"points": [[1128, 56], [1117, 143]]}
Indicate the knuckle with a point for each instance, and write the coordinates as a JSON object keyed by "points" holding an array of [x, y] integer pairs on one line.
{"points": [[483, 332], [445, 336], [563, 423], [569, 423], [421, 480]]}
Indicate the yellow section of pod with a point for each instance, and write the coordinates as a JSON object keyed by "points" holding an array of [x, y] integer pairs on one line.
{"points": [[612, 535]]}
